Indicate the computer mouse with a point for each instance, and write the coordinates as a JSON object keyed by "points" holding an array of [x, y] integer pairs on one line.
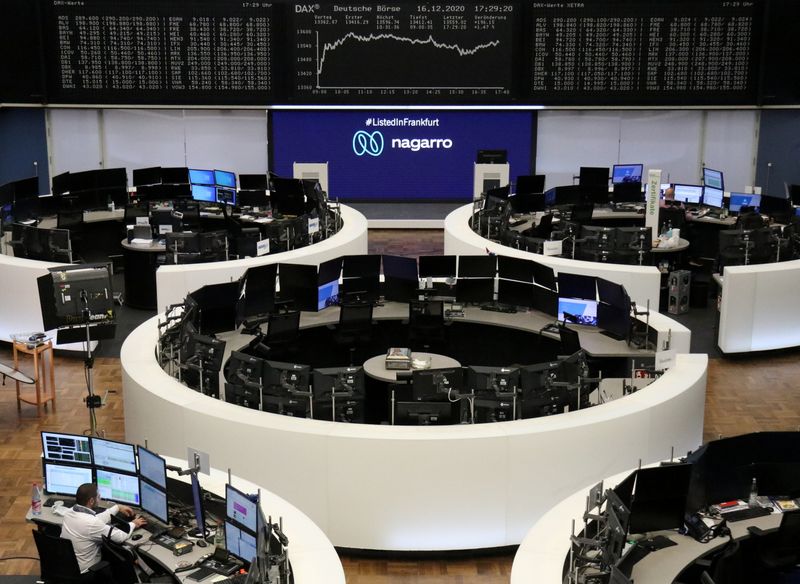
{"points": [[136, 536], [201, 543]]}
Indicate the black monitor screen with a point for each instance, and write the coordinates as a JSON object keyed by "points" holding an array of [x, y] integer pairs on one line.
{"points": [[628, 192], [593, 176], [175, 175], [483, 266], [287, 196], [511, 268], [61, 183], [515, 293], [475, 290], [299, 284], [527, 202], [492, 157], [400, 268], [329, 271], [774, 205], [146, 176], [253, 182], [544, 276], [623, 173], [612, 293], [437, 266], [253, 198], [355, 266], [577, 286], [659, 501], [624, 489], [794, 193], [227, 196], [613, 320], [282, 378], [527, 184]]}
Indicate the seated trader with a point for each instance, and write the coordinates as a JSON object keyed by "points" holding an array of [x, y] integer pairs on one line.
{"points": [[668, 200], [86, 529]]}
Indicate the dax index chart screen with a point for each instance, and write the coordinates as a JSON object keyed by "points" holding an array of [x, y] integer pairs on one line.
{"points": [[414, 51]]}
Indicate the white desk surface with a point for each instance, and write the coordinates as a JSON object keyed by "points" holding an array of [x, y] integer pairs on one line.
{"points": [[375, 367], [312, 556], [683, 244]]}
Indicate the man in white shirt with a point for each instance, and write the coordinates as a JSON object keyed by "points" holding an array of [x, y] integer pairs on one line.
{"points": [[86, 529]]}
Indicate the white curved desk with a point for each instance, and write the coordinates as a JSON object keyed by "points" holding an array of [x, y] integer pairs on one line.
{"points": [[759, 308], [643, 283], [174, 282], [416, 488]]}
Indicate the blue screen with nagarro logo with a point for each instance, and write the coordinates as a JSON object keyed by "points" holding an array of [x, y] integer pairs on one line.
{"points": [[398, 155]]}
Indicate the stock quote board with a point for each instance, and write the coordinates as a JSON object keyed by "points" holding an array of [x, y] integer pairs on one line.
{"points": [[393, 52], [132, 51], [636, 52]]}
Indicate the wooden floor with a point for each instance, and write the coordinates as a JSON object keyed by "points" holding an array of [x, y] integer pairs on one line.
{"points": [[744, 395]]}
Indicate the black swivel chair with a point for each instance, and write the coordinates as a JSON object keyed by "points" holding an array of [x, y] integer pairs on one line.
{"points": [[426, 324], [283, 332], [749, 220], [780, 550], [59, 565], [582, 213], [355, 327], [543, 229], [123, 560]]}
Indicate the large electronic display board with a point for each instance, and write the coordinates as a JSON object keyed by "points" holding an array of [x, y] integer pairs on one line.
{"points": [[143, 51], [400, 155], [643, 52], [408, 51]]}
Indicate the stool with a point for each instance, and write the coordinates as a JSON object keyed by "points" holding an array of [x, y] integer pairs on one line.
{"points": [[45, 391]]}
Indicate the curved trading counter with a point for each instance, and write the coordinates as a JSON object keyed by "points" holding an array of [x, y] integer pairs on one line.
{"points": [[174, 282], [641, 282], [418, 488], [758, 307]]}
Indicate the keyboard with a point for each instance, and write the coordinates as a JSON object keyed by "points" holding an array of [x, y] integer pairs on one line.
{"points": [[235, 579], [67, 501], [744, 514], [200, 574], [499, 308]]}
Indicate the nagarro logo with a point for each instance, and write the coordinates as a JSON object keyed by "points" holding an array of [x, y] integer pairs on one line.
{"points": [[368, 143]]}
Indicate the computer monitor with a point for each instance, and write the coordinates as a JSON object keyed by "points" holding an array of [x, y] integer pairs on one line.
{"points": [[253, 182], [241, 508], [57, 245], [145, 176], [614, 543], [775, 205], [118, 486], [713, 178], [431, 384], [615, 321], [545, 300], [495, 380], [501, 193], [793, 192], [577, 311], [280, 379], [712, 197], [258, 285], [204, 193], [477, 266], [201, 177], [475, 290], [624, 490], [287, 196], [61, 183], [420, 413], [199, 509], [253, 198], [240, 543], [659, 501], [226, 196], [443, 266], [492, 156], [113, 455], [527, 202], [577, 286], [299, 284], [612, 294], [175, 175], [739, 200], [359, 266], [515, 293], [328, 295], [154, 501], [68, 448], [634, 239], [529, 184], [627, 173], [344, 380], [511, 268], [593, 176], [598, 237], [64, 479], [689, 194], [225, 178], [152, 467], [400, 278], [544, 276], [628, 192]]}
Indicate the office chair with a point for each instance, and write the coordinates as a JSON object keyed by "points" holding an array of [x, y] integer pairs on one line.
{"points": [[283, 332], [426, 323], [726, 567], [59, 565], [355, 327], [543, 229], [124, 564], [749, 220], [780, 550], [582, 213], [671, 216]]}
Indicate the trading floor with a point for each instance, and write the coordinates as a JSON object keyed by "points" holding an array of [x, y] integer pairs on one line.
{"points": [[732, 408]]}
